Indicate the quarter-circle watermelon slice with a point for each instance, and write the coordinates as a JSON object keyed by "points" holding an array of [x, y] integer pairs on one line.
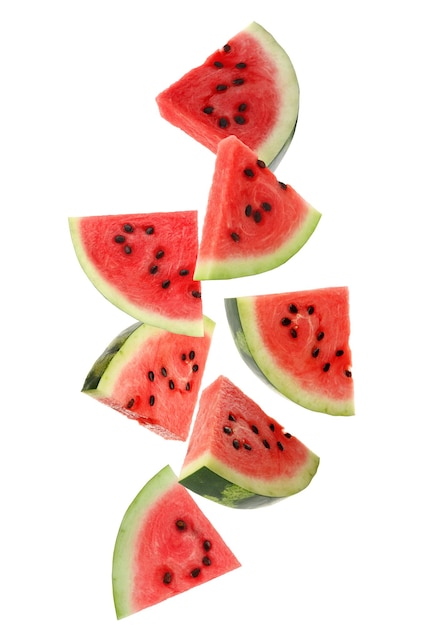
{"points": [[247, 88], [165, 546], [298, 342], [253, 222], [144, 265], [152, 376], [239, 456]]}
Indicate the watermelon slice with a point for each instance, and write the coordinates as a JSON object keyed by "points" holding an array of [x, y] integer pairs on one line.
{"points": [[152, 376], [144, 264], [165, 546], [299, 343], [247, 88], [253, 223], [239, 456]]}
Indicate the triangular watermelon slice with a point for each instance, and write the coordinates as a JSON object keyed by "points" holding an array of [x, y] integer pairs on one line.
{"points": [[165, 546], [298, 342], [253, 222], [144, 264], [247, 88]]}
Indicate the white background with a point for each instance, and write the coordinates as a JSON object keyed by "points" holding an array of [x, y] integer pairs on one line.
{"points": [[81, 134]]}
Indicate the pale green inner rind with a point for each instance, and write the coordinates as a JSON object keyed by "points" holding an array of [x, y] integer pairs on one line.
{"points": [[273, 487], [113, 295], [235, 267], [249, 342], [124, 549], [283, 130]]}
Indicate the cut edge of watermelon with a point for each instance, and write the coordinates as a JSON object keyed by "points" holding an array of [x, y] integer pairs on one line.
{"points": [[254, 353], [184, 326]]}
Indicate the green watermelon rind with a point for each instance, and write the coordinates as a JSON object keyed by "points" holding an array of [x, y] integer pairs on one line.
{"points": [[190, 327], [278, 141], [124, 549], [252, 264], [210, 478], [247, 339]]}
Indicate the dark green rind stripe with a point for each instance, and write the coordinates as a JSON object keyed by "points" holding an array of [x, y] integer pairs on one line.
{"points": [[209, 485], [101, 364]]}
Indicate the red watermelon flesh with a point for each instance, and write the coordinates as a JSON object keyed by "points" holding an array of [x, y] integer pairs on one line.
{"points": [[247, 88], [253, 222], [152, 376], [165, 546], [299, 343], [144, 264]]}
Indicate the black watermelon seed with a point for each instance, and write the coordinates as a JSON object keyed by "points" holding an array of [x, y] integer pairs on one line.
{"points": [[279, 445], [183, 357], [283, 185], [248, 210], [310, 310], [236, 444], [208, 110], [187, 387], [191, 355], [339, 352], [249, 172], [167, 578], [285, 321], [195, 367], [218, 64], [227, 48], [257, 217], [149, 230], [159, 254], [128, 228], [184, 272], [206, 561], [293, 308], [235, 237], [266, 443], [227, 430], [151, 376], [239, 119], [255, 429], [320, 336], [242, 107], [181, 524], [151, 400], [195, 572], [206, 545], [171, 384], [127, 249], [293, 333], [223, 122], [164, 372], [231, 418], [221, 87], [166, 284], [261, 164], [287, 435], [272, 427], [241, 65], [130, 403], [348, 374], [238, 81], [315, 352], [247, 446], [196, 294], [119, 238], [326, 367], [266, 206], [154, 269]]}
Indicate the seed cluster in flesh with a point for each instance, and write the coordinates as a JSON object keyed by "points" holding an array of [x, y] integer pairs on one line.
{"points": [[245, 436], [292, 321], [155, 267], [169, 575]]}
